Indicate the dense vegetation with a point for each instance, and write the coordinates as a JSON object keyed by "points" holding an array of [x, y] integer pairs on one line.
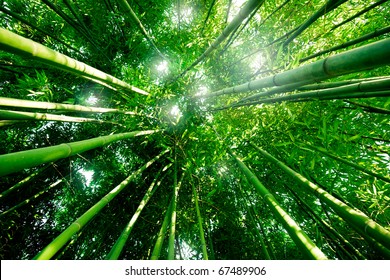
{"points": [[259, 134]]}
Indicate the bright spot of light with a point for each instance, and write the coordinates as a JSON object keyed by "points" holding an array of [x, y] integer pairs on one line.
{"points": [[175, 111], [257, 62], [186, 15], [87, 175], [92, 100], [163, 67], [202, 91]]}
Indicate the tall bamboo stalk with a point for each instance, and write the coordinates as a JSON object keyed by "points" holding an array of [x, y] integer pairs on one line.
{"points": [[200, 222], [121, 241], [14, 162], [245, 11], [161, 234], [172, 230], [354, 217], [326, 8], [354, 165], [50, 250], [303, 242], [369, 56], [24, 181], [20, 115], [374, 34], [19, 45], [28, 200], [140, 26]]}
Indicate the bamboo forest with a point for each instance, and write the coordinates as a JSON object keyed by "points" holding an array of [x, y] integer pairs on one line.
{"points": [[195, 130]]}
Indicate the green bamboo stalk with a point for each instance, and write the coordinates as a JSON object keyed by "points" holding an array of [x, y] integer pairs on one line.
{"points": [[21, 19], [207, 17], [14, 162], [161, 235], [374, 34], [350, 215], [374, 88], [50, 250], [140, 26], [172, 231], [121, 241], [328, 228], [21, 103], [369, 56], [359, 13], [338, 84], [19, 45], [326, 8], [354, 165], [24, 181], [28, 200], [370, 109], [200, 222], [303, 242], [19, 115], [245, 11]]}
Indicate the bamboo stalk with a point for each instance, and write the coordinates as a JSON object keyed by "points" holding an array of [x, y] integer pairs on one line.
{"points": [[14, 162], [160, 237], [369, 56], [21, 103], [28, 200], [303, 242], [354, 165], [245, 11], [19, 115], [350, 215], [121, 241], [200, 222], [50, 250], [326, 8], [374, 34], [24, 181], [19, 45]]}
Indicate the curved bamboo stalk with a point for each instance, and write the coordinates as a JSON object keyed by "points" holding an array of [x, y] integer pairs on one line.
{"points": [[326, 8], [21, 103], [303, 242], [121, 241], [19, 45], [354, 217], [374, 34], [161, 235], [50, 250], [14, 162], [369, 56], [28, 200], [370, 109]]}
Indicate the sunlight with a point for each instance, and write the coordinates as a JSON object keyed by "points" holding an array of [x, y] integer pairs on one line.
{"points": [[202, 91], [87, 175], [257, 62], [175, 111], [92, 100], [163, 67], [186, 15]]}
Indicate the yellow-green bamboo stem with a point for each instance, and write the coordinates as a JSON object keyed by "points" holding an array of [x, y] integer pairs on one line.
{"points": [[19, 45], [50, 250], [352, 216], [303, 242], [17, 161]]}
